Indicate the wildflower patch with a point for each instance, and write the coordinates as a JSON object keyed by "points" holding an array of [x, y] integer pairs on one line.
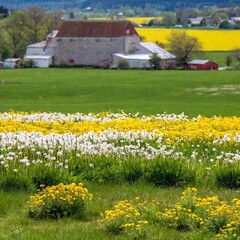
{"points": [[58, 201]]}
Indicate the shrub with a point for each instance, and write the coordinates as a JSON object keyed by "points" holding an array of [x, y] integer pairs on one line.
{"points": [[58, 201], [228, 176], [123, 64], [98, 169], [169, 172], [15, 182], [27, 63], [49, 176], [132, 170]]}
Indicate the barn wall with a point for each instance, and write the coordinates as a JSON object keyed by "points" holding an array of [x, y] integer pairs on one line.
{"points": [[90, 51], [206, 66], [35, 51]]}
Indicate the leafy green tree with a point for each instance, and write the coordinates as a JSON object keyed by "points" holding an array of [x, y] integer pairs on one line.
{"points": [[4, 51], [225, 24], [16, 33], [229, 60], [155, 61], [53, 20], [183, 46], [36, 25], [168, 19], [236, 54]]}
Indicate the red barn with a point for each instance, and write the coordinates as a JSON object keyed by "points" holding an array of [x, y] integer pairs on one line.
{"points": [[201, 65]]}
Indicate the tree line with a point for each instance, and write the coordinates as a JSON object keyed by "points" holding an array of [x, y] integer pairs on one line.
{"points": [[169, 5], [25, 27]]}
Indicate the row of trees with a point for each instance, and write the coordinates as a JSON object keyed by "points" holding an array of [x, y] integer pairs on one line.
{"points": [[214, 17], [25, 27]]}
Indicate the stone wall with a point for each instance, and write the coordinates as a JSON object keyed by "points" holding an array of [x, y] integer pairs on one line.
{"points": [[90, 51]]}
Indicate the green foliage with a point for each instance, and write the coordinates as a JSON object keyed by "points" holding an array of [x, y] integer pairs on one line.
{"points": [[15, 182], [225, 24], [183, 46], [155, 61], [169, 172], [123, 64], [48, 176], [228, 176], [27, 63], [3, 12], [228, 60], [133, 170]]}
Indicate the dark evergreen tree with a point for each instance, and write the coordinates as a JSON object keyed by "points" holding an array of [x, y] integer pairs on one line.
{"points": [[3, 12]]}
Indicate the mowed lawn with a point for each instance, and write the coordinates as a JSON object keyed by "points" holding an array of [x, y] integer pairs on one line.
{"points": [[96, 90]]}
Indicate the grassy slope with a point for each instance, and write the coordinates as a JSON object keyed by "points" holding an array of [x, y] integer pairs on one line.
{"points": [[147, 92]]}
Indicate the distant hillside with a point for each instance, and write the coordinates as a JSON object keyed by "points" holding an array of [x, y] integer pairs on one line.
{"points": [[106, 4], [47, 4], [169, 4]]}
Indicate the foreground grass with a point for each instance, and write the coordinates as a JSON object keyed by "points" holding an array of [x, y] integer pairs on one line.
{"points": [[14, 224], [150, 92]]}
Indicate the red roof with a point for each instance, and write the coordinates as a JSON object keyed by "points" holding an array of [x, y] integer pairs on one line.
{"points": [[96, 29]]}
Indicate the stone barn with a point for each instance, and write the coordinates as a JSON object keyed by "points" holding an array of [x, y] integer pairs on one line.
{"points": [[201, 65], [93, 43], [96, 43]]}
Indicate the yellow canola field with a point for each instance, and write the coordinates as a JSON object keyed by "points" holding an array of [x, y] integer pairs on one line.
{"points": [[211, 40], [204, 128], [140, 20]]}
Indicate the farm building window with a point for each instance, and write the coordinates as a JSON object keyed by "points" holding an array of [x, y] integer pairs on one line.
{"points": [[71, 61], [59, 40]]}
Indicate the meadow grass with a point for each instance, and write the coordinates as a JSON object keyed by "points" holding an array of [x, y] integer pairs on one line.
{"points": [[148, 92], [15, 224], [219, 57]]}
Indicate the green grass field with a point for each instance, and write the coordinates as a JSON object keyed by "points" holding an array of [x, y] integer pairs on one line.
{"points": [[15, 225], [148, 92]]}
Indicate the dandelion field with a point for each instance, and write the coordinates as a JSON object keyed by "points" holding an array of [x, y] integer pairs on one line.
{"points": [[131, 164], [119, 175]]}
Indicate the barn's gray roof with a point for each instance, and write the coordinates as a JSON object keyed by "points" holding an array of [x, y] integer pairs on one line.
{"points": [[154, 48], [38, 45], [134, 56], [38, 57], [196, 21], [198, 61]]}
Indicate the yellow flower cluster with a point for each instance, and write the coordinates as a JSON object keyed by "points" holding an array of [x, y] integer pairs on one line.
{"points": [[69, 193], [202, 128], [192, 212], [63, 197], [121, 209], [125, 217]]}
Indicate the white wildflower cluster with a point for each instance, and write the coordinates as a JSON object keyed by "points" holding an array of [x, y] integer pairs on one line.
{"points": [[55, 149], [79, 117]]}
